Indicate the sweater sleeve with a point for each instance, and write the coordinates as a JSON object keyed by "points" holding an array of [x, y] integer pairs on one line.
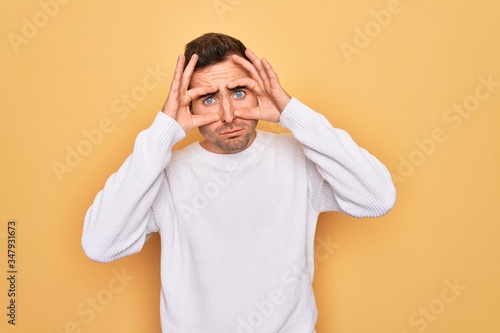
{"points": [[342, 176], [121, 217]]}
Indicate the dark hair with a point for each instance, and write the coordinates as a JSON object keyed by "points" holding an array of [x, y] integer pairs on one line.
{"points": [[213, 48]]}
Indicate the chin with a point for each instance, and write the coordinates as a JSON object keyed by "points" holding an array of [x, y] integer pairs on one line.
{"points": [[229, 145], [234, 145]]}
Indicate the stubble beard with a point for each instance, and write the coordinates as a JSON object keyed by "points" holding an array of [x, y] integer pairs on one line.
{"points": [[230, 144]]}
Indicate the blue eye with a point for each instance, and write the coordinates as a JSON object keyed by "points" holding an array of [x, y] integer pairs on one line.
{"points": [[209, 100], [239, 94]]}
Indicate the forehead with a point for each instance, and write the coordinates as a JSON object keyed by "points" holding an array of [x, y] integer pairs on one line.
{"points": [[219, 74]]}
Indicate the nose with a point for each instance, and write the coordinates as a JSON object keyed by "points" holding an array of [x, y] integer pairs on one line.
{"points": [[227, 115]]}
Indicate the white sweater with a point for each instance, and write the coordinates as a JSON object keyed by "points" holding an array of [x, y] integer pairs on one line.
{"points": [[237, 230]]}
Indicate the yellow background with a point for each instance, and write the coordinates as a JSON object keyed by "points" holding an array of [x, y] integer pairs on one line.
{"points": [[393, 92]]}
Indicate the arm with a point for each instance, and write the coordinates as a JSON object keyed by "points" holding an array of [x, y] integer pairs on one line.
{"points": [[121, 217], [342, 176]]}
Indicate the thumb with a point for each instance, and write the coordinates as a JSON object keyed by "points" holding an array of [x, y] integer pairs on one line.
{"points": [[247, 113], [204, 119]]}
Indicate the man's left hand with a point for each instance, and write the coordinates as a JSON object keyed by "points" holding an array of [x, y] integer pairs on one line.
{"points": [[272, 98]]}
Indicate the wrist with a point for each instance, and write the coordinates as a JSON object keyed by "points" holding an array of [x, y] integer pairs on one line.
{"points": [[283, 102]]}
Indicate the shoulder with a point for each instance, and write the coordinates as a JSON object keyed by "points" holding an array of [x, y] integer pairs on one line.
{"points": [[183, 157], [282, 143]]}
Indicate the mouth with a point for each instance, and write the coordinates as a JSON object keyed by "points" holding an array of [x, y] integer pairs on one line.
{"points": [[232, 132]]}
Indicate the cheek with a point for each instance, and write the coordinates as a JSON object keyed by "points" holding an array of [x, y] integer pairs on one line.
{"points": [[208, 130]]}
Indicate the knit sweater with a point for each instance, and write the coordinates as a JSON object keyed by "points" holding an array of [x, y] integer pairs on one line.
{"points": [[237, 230]]}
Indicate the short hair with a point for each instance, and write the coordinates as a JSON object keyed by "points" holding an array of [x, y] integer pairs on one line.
{"points": [[213, 48]]}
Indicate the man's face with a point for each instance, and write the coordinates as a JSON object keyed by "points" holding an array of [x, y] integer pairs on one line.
{"points": [[229, 134]]}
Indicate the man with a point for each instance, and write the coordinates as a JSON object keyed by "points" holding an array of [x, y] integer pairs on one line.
{"points": [[236, 212]]}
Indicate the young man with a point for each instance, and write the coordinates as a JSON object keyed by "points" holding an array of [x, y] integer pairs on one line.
{"points": [[236, 212]]}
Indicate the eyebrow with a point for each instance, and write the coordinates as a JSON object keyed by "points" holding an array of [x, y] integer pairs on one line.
{"points": [[238, 88], [218, 91], [208, 95]]}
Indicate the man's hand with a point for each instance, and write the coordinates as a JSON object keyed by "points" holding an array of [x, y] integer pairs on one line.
{"points": [[272, 98], [178, 103]]}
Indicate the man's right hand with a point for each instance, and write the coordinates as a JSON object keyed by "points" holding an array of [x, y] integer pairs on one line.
{"points": [[178, 103]]}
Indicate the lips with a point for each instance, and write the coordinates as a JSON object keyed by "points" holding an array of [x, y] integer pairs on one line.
{"points": [[232, 132]]}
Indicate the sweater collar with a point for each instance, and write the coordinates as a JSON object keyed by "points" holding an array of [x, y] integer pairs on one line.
{"points": [[231, 161]]}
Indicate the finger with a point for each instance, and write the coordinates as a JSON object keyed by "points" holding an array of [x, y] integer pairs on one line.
{"points": [[282, 97], [248, 113], [254, 74], [173, 94], [188, 72], [258, 65], [194, 93], [204, 119], [179, 67], [273, 77], [243, 82], [174, 85]]}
